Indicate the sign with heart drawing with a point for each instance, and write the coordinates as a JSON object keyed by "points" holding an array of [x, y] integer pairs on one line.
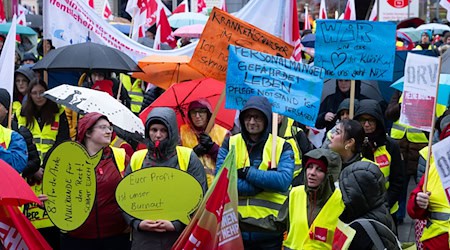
{"points": [[358, 50], [70, 185]]}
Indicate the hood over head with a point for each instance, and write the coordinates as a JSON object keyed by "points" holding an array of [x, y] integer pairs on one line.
{"points": [[167, 117], [345, 105], [331, 159], [200, 103], [26, 71], [372, 108], [86, 122], [262, 104]]}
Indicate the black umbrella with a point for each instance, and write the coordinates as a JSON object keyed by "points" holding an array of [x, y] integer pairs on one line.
{"points": [[368, 88], [34, 21], [413, 22], [87, 57]]}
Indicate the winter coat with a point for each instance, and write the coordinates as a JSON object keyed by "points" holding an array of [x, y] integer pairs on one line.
{"points": [[105, 219], [378, 139], [150, 96], [163, 155], [363, 191], [16, 154]]}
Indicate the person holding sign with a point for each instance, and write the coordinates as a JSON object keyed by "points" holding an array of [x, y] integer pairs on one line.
{"points": [[311, 212], [105, 227], [161, 130], [262, 187], [382, 149], [205, 144]]}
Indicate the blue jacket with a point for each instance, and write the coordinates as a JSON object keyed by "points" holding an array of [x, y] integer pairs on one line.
{"points": [[258, 180], [16, 155]]}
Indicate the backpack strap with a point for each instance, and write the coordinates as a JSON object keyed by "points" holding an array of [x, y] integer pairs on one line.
{"points": [[372, 233]]}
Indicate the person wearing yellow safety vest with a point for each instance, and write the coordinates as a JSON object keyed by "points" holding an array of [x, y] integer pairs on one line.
{"points": [[425, 41], [161, 132], [262, 187], [311, 212], [22, 78], [362, 185], [193, 135], [135, 91], [47, 123], [299, 142], [383, 150]]}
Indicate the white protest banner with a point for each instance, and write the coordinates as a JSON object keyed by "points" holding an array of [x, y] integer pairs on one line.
{"points": [[441, 154], [69, 22], [7, 59], [419, 91]]}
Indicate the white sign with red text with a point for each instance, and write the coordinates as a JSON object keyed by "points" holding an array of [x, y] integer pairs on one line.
{"points": [[396, 10]]}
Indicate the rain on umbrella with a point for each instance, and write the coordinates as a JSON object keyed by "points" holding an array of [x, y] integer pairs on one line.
{"points": [[163, 71], [84, 100], [179, 96]]}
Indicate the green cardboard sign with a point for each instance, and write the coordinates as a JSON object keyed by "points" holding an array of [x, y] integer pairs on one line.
{"points": [[159, 193], [69, 182]]}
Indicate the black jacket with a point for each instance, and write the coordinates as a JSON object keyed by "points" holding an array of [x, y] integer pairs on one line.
{"points": [[150, 96]]}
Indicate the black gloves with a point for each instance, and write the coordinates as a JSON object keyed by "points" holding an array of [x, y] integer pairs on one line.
{"points": [[200, 150], [206, 141], [242, 172]]}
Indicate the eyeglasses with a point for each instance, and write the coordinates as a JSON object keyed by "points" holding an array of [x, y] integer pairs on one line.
{"points": [[105, 127], [257, 118], [369, 120], [198, 112], [37, 93]]}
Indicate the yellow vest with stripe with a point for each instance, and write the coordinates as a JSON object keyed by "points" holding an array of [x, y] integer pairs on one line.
{"points": [[16, 107], [302, 236], [134, 91], [438, 222], [383, 160], [183, 154], [289, 137], [39, 217], [189, 139], [265, 203], [43, 139], [5, 137]]}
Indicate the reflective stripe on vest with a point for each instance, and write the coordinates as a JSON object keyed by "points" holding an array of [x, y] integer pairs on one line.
{"points": [[438, 222], [5, 137], [183, 154], [45, 138], [321, 232], [134, 91], [189, 139], [265, 203]]}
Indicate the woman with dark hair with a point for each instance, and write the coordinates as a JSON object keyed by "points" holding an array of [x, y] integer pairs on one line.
{"points": [[22, 78], [47, 123], [347, 140]]}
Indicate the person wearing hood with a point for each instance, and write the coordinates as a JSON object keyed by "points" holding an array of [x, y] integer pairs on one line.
{"points": [[425, 41], [161, 131], [29, 58], [328, 108], [382, 149], [105, 227], [362, 185], [22, 78], [311, 212], [262, 187], [205, 144]]}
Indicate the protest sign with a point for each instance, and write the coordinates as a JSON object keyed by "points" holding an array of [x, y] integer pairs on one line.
{"points": [[359, 50], [70, 184], [159, 193], [419, 91], [211, 55], [293, 88], [441, 154]]}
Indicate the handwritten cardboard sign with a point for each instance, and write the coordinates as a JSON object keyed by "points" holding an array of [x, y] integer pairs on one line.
{"points": [[419, 91], [159, 193], [441, 154], [211, 55], [70, 184], [293, 88], [359, 50]]}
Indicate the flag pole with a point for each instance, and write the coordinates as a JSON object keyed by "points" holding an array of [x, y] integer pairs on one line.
{"points": [[216, 111], [132, 24], [352, 99]]}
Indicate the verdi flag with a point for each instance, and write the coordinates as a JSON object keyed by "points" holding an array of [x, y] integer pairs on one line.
{"points": [[215, 224]]}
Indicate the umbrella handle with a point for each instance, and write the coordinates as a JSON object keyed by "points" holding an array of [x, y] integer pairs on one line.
{"points": [[81, 80]]}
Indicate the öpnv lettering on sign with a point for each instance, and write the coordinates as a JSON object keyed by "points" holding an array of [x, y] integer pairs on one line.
{"points": [[293, 88], [359, 50], [441, 154], [70, 184], [159, 193], [419, 91]]}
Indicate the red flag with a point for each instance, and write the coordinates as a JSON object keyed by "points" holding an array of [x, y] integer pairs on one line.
{"points": [[164, 32], [350, 12], [2, 13], [201, 6], [21, 15], [215, 224], [446, 5], [291, 31], [323, 10], [17, 232], [307, 23], [182, 7], [107, 12], [91, 3], [144, 14]]}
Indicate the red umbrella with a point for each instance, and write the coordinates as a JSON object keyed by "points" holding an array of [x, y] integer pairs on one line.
{"points": [[14, 190], [413, 22], [179, 95]]}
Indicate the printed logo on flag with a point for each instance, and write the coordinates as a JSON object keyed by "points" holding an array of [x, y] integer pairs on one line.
{"points": [[382, 161]]}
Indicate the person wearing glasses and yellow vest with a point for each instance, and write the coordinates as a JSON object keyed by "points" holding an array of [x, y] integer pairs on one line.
{"points": [[310, 214], [383, 150], [161, 132], [262, 187], [193, 135], [135, 91], [47, 123]]}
